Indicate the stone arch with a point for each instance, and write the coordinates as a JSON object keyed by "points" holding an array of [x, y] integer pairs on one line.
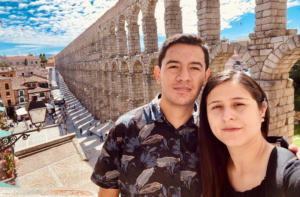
{"points": [[275, 81], [114, 91], [106, 90], [279, 62], [105, 42], [220, 55], [133, 31], [136, 96], [173, 17], [123, 95], [122, 41], [153, 87]]}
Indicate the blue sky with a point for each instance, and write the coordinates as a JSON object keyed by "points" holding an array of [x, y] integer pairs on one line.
{"points": [[47, 26]]}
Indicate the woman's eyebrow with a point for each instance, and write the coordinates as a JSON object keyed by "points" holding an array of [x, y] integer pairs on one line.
{"points": [[235, 98]]}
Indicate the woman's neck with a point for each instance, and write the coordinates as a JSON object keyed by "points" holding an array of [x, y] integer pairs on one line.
{"points": [[248, 164]]}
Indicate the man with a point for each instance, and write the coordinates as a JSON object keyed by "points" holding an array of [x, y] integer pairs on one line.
{"points": [[152, 150]]}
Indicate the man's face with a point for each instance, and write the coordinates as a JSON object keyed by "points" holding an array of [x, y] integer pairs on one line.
{"points": [[182, 74]]}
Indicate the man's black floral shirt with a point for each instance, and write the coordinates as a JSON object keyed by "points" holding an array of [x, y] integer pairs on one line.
{"points": [[144, 155]]}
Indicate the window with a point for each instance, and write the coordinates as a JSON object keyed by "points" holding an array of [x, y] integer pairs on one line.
{"points": [[7, 94], [21, 93], [9, 102], [36, 62], [3, 75], [34, 85], [42, 94], [11, 75], [22, 99], [17, 63], [31, 62], [10, 63], [28, 85], [6, 86]]}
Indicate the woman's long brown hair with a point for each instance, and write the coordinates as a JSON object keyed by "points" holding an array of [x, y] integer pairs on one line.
{"points": [[214, 154]]}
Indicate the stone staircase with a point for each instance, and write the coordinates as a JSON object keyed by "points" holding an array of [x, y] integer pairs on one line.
{"points": [[82, 118]]}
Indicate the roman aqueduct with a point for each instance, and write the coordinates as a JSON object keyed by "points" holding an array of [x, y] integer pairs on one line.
{"points": [[107, 70]]}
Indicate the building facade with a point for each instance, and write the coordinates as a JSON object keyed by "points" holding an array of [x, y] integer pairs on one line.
{"points": [[20, 61]]}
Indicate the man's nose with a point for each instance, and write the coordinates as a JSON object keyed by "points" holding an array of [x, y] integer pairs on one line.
{"points": [[184, 75]]}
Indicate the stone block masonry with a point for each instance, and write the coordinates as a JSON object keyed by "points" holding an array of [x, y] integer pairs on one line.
{"points": [[106, 69]]}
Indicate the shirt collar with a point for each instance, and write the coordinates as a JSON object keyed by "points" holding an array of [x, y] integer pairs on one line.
{"points": [[157, 114]]}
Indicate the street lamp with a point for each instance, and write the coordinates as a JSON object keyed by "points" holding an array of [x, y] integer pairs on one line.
{"points": [[37, 111]]}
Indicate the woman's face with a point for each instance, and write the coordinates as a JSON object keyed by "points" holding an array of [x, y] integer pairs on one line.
{"points": [[233, 114]]}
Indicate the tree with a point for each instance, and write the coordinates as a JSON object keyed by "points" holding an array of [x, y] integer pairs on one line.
{"points": [[26, 62], [29, 54], [4, 64], [3, 125], [44, 60]]}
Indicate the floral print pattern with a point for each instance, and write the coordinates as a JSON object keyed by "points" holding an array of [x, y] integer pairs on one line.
{"points": [[145, 156]]}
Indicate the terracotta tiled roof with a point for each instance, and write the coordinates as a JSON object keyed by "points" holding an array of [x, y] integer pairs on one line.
{"points": [[17, 83], [38, 89], [23, 58]]}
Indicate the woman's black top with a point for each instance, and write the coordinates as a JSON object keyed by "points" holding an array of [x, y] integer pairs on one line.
{"points": [[291, 182]]}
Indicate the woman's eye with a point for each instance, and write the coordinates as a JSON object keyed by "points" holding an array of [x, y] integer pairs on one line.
{"points": [[216, 107], [239, 104]]}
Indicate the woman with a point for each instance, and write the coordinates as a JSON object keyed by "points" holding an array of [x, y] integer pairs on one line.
{"points": [[236, 158]]}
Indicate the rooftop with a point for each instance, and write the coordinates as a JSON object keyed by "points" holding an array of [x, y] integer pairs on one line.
{"points": [[18, 82], [22, 58], [38, 89]]}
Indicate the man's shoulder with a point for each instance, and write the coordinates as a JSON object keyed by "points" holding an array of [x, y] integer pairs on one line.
{"points": [[137, 116]]}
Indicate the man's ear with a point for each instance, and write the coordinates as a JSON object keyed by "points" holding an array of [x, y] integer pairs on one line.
{"points": [[156, 72], [207, 74]]}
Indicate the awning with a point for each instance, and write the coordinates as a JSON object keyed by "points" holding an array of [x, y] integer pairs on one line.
{"points": [[2, 109], [22, 111], [4, 133], [49, 106]]}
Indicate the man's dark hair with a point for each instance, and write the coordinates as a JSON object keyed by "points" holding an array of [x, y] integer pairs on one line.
{"points": [[189, 39]]}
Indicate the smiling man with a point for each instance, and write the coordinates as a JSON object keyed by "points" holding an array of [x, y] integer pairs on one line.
{"points": [[152, 150]]}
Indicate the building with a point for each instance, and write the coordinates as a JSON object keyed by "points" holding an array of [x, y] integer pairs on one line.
{"points": [[3, 59], [51, 61], [7, 94], [25, 87], [20, 61], [7, 72]]}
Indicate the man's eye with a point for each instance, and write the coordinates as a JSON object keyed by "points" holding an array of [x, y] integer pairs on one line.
{"points": [[195, 68], [239, 104], [173, 66]]}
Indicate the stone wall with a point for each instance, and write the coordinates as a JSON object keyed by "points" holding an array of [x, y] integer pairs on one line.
{"points": [[106, 69]]}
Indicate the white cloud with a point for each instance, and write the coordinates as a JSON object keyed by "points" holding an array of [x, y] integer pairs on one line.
{"points": [[23, 5], [67, 19], [3, 12], [31, 11], [293, 3]]}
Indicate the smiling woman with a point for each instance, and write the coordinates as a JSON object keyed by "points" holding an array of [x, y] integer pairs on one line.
{"points": [[239, 161]]}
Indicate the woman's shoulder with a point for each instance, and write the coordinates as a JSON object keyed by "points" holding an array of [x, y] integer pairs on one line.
{"points": [[283, 173]]}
